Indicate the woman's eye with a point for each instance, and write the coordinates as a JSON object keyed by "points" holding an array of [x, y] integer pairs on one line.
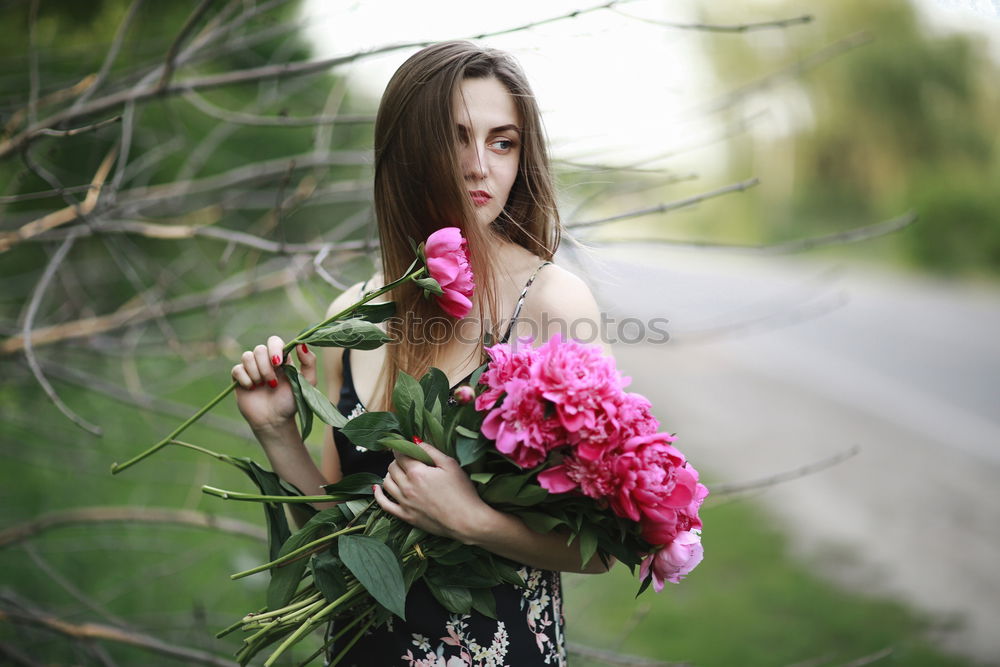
{"points": [[503, 144]]}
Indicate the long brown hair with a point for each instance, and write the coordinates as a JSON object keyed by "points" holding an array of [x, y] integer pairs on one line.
{"points": [[419, 188]]}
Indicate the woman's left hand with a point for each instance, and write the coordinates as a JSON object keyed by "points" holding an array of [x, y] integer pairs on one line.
{"points": [[440, 499]]}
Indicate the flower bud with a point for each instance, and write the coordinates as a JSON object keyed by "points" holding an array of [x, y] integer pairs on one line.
{"points": [[464, 394]]}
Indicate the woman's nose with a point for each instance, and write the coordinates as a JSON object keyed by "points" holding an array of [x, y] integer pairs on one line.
{"points": [[473, 162]]}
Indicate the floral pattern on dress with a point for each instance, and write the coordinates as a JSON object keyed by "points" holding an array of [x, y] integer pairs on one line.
{"points": [[541, 603]]}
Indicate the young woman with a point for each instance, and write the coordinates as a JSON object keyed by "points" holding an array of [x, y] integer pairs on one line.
{"points": [[458, 142]]}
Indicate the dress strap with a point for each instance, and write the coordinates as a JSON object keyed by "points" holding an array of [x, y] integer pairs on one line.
{"points": [[520, 301]]}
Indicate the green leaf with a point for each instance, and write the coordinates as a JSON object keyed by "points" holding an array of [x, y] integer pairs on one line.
{"points": [[456, 599], [269, 484], [429, 285], [435, 431], [359, 482], [366, 429], [588, 546], [321, 405], [302, 407], [457, 556], [435, 386], [405, 396], [354, 333], [406, 447], [414, 536], [328, 574], [502, 489], [482, 477], [377, 569], [530, 494], [376, 312], [413, 569], [285, 578], [469, 450], [352, 508], [507, 572], [484, 602]]}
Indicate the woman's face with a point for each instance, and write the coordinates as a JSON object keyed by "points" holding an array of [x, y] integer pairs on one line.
{"points": [[489, 143]]}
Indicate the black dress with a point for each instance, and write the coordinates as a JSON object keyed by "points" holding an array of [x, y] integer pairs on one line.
{"points": [[529, 629]]}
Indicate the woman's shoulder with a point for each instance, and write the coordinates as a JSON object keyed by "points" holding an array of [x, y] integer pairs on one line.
{"points": [[560, 301], [560, 290]]}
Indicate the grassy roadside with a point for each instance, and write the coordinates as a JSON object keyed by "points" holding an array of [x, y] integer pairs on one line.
{"points": [[749, 603]]}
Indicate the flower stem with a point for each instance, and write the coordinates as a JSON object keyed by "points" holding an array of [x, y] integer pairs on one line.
{"points": [[309, 624], [410, 275], [257, 498], [293, 555]]}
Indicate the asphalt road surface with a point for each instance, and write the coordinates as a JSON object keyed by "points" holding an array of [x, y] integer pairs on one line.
{"points": [[774, 363]]}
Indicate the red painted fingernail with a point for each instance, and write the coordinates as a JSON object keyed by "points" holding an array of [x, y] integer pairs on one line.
{"points": [[417, 439], [373, 487], [305, 350], [276, 360], [250, 388], [273, 383]]}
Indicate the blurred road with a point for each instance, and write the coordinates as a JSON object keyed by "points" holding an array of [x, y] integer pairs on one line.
{"points": [[774, 363]]}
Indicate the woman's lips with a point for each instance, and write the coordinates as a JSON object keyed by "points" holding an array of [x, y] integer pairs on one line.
{"points": [[480, 197]]}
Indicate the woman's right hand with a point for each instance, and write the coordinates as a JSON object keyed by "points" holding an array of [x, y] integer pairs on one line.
{"points": [[263, 393]]}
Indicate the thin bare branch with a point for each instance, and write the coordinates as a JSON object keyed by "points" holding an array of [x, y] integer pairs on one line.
{"points": [[33, 83], [618, 659], [127, 514], [143, 92], [54, 97], [231, 291], [669, 206], [797, 245], [62, 216], [148, 402], [712, 27], [96, 631], [870, 658], [241, 118], [29, 353], [44, 194], [112, 54], [724, 490], [80, 130], [814, 59], [189, 25], [71, 588]]}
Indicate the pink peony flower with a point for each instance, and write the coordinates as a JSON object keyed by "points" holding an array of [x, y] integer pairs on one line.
{"points": [[650, 473], [464, 394], [504, 365], [578, 379], [674, 561], [519, 427], [447, 254]]}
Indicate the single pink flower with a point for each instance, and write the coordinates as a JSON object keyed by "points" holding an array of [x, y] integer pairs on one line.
{"points": [[447, 254], [650, 473], [674, 561], [518, 425], [464, 394]]}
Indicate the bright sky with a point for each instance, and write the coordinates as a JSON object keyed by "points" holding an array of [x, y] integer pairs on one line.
{"points": [[607, 84], [611, 88]]}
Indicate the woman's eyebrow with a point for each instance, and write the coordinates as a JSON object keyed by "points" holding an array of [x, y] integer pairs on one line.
{"points": [[494, 130]]}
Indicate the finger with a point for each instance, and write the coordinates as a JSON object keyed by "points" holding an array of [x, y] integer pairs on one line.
{"points": [[275, 350], [389, 484], [250, 367], [244, 381], [388, 505], [440, 458], [307, 362], [260, 353]]}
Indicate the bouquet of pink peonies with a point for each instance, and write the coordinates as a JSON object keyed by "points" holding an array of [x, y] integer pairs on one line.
{"points": [[548, 434], [561, 411]]}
